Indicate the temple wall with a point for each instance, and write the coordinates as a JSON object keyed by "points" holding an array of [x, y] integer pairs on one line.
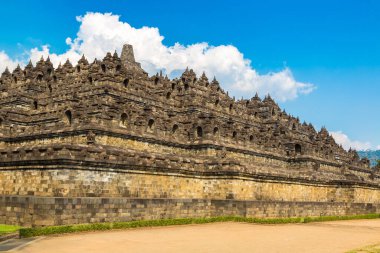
{"points": [[46, 211], [151, 180], [66, 196], [138, 184], [254, 158]]}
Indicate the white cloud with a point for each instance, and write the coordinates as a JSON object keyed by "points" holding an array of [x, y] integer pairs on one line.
{"points": [[36, 54], [5, 61], [100, 33], [347, 143]]}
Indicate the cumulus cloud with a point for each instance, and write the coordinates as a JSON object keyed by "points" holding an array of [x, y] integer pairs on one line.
{"points": [[5, 61], [347, 143], [100, 33]]}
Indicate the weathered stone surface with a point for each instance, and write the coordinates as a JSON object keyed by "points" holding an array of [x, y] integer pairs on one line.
{"points": [[106, 142], [45, 211]]}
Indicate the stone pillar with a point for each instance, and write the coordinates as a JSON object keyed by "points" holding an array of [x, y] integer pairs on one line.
{"points": [[128, 58], [127, 55]]}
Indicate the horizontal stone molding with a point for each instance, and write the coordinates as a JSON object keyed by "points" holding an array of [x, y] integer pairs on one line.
{"points": [[70, 164]]}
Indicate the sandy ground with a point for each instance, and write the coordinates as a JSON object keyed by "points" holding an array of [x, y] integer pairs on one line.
{"points": [[339, 236]]}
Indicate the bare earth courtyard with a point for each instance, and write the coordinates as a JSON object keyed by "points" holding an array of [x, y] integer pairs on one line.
{"points": [[339, 236]]}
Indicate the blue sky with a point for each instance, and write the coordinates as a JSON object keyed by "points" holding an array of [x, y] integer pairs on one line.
{"points": [[333, 45]]}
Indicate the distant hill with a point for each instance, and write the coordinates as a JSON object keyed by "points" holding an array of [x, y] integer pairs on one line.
{"points": [[372, 155]]}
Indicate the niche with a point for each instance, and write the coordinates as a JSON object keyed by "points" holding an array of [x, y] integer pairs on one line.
{"points": [[174, 129], [39, 78], [118, 68], [151, 124], [126, 82], [68, 117], [199, 132], [123, 120], [298, 149]]}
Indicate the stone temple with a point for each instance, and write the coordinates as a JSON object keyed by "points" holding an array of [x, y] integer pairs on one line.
{"points": [[103, 142]]}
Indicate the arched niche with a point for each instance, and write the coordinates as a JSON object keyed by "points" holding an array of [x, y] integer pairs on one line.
{"points": [[151, 125], [123, 120], [126, 82], [216, 131], [199, 132], [298, 149], [174, 128], [68, 117]]}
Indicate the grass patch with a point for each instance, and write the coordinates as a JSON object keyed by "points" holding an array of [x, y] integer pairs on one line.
{"points": [[6, 229], [38, 231], [337, 218], [368, 249]]}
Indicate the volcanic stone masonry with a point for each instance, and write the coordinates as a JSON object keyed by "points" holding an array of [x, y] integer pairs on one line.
{"points": [[105, 142]]}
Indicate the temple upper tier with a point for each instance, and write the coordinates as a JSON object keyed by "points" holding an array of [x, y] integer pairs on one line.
{"points": [[116, 96]]}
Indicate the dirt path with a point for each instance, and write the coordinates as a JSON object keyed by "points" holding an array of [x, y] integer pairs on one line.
{"points": [[220, 237]]}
